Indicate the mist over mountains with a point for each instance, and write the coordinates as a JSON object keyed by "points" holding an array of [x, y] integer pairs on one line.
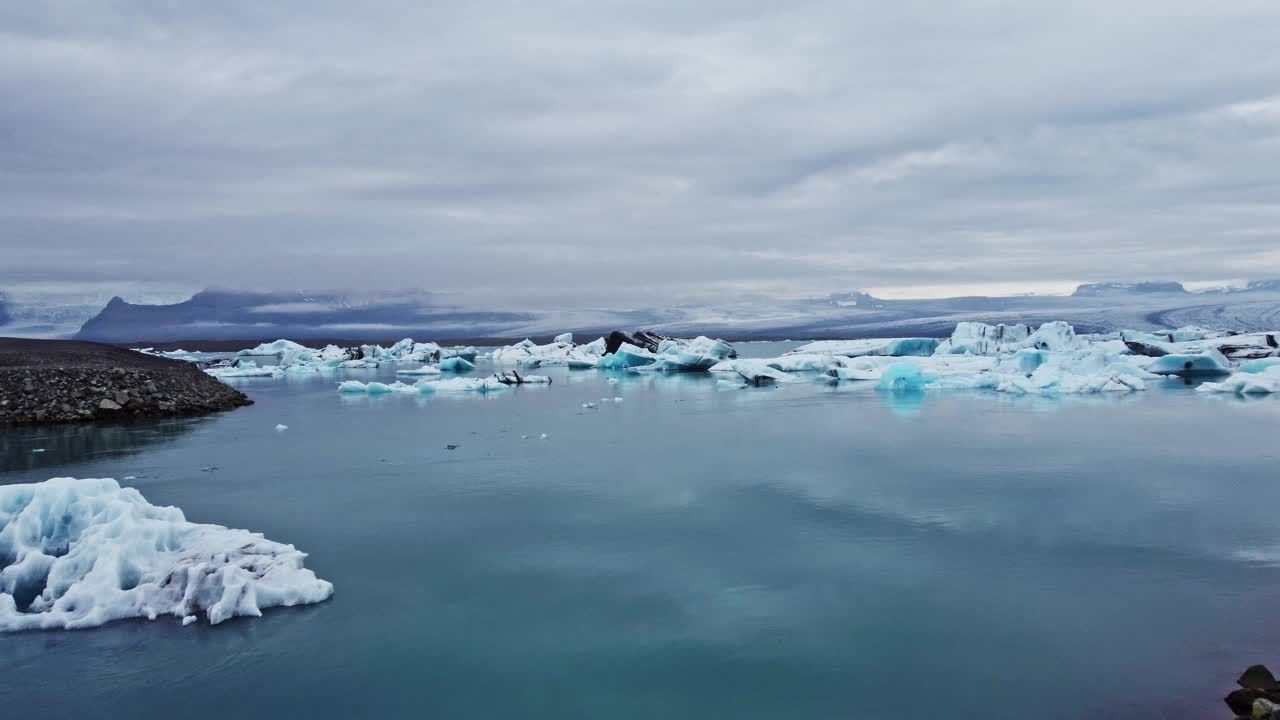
{"points": [[223, 315]]}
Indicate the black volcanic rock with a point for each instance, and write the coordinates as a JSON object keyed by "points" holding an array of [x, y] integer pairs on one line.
{"points": [[640, 338], [54, 381]]}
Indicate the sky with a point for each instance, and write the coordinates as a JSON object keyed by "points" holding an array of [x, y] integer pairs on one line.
{"points": [[595, 152]]}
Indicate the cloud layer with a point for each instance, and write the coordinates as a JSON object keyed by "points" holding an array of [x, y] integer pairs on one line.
{"points": [[591, 152]]}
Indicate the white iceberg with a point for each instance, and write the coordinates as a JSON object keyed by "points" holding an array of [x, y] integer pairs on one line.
{"points": [[377, 388], [81, 553], [975, 338], [424, 370], [560, 352], [244, 369], [1247, 383], [276, 349]]}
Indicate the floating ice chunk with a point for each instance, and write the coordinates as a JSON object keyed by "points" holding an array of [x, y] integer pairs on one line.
{"points": [[565, 338], [81, 553], [1247, 383], [543, 436], [894, 347], [357, 364], [277, 348], [1209, 362], [424, 370], [460, 384], [588, 405], [244, 370], [376, 388], [281, 428], [455, 364]]}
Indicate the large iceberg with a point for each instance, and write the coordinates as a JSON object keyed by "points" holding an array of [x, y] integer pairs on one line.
{"points": [[1025, 371], [560, 352], [975, 338], [80, 553]]}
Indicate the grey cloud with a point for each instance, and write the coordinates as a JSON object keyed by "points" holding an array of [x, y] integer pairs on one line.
{"points": [[541, 152]]}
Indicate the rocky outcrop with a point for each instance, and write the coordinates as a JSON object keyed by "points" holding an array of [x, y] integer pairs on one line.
{"points": [[52, 381], [1258, 697]]}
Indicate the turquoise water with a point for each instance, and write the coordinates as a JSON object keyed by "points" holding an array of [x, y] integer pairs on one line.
{"points": [[808, 551]]}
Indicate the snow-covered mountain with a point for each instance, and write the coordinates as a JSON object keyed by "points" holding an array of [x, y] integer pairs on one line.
{"points": [[1098, 307]]}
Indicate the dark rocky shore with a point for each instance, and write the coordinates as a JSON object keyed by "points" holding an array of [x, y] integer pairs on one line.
{"points": [[1258, 697], [55, 381]]}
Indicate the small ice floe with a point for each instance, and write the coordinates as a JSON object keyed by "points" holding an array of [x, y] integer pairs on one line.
{"points": [[588, 405], [113, 556], [456, 365], [543, 436], [281, 428], [38, 450], [424, 370], [617, 399], [130, 477]]}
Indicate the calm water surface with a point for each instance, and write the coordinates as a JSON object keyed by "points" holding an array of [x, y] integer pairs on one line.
{"points": [[809, 551]]}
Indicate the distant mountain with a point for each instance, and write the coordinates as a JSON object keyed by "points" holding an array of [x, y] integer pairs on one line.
{"points": [[219, 315], [1138, 288], [251, 316]]}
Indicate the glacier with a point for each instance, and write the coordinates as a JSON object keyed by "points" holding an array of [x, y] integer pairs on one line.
{"points": [[79, 553]]}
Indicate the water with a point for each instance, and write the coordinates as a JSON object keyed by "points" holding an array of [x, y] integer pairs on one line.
{"points": [[802, 552]]}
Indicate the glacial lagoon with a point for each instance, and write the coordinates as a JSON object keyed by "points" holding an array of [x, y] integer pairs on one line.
{"points": [[803, 550]]}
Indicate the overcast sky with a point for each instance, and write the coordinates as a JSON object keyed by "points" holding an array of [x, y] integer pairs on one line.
{"points": [[622, 152]]}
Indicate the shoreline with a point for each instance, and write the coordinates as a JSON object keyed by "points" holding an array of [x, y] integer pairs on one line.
{"points": [[64, 381]]}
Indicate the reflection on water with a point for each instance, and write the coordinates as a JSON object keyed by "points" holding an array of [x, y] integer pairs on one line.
{"points": [[48, 446]]}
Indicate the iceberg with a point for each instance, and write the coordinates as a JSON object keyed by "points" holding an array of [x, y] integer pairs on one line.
{"points": [[975, 338], [560, 352], [461, 384], [1208, 362], [626, 356], [275, 349], [424, 370], [1247, 383], [82, 553], [697, 355], [377, 388], [455, 364], [244, 369]]}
